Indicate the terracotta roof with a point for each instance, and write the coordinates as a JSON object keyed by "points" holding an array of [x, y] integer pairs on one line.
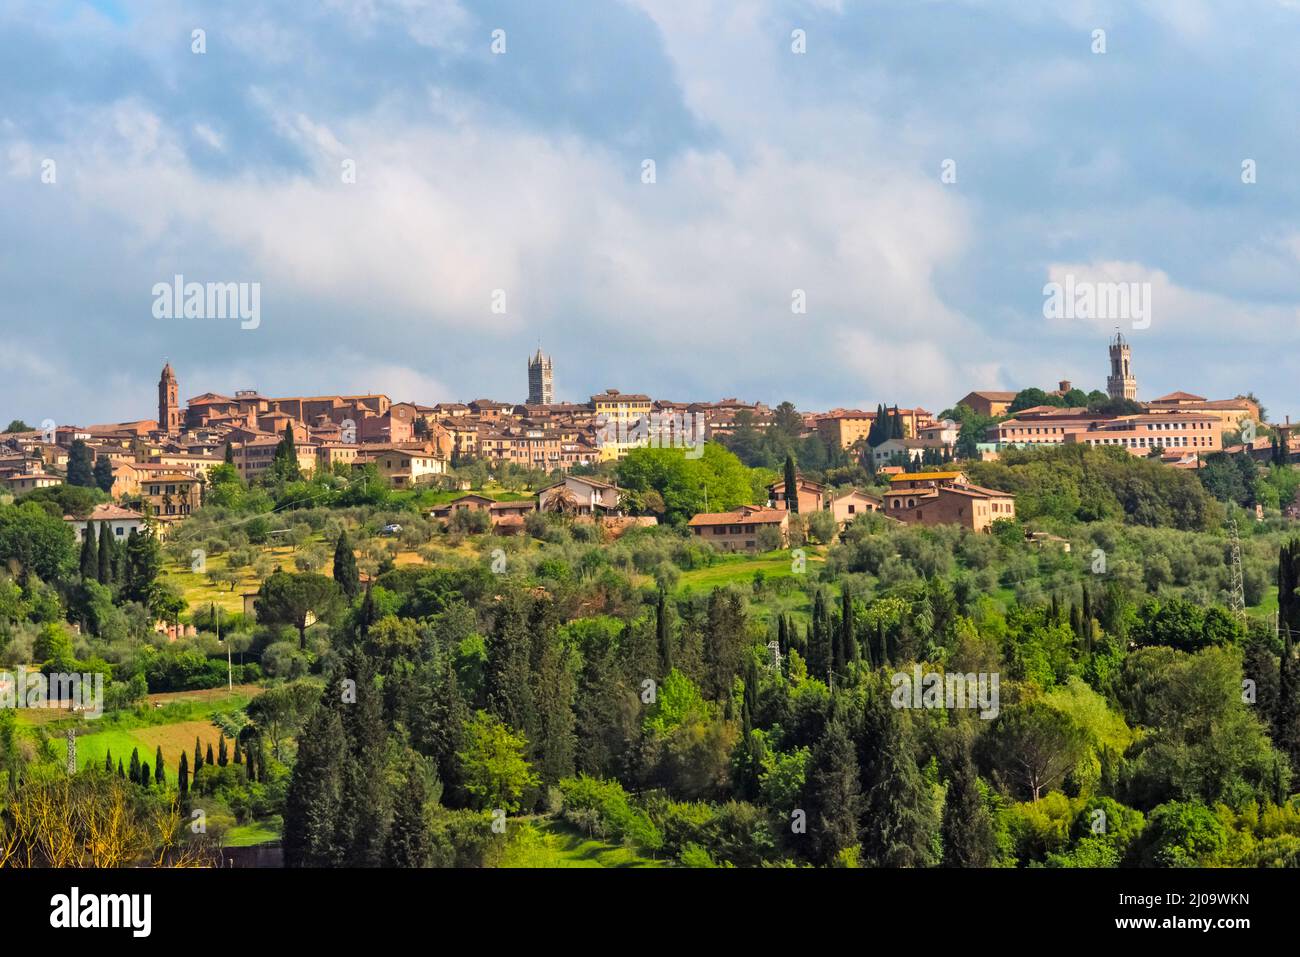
{"points": [[743, 515], [914, 476], [1180, 397], [107, 512]]}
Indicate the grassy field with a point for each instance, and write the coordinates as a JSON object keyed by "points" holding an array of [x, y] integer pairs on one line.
{"points": [[547, 842], [254, 832], [186, 718], [740, 569], [174, 739], [199, 590]]}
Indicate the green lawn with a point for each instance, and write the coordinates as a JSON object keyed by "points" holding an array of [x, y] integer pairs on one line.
{"points": [[254, 832], [740, 569], [552, 843]]}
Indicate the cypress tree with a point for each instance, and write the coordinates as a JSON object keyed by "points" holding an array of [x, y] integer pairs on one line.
{"points": [[848, 639], [198, 757], [819, 642], [121, 773], [1287, 737], [207, 758], [897, 823], [89, 554], [345, 567], [183, 775], [142, 564], [144, 775], [409, 844], [833, 794], [81, 469], [107, 554], [222, 757], [239, 755], [663, 633], [836, 633], [555, 692], [508, 673], [967, 831], [284, 466], [229, 457], [134, 774], [108, 760], [791, 486], [158, 773], [314, 799], [103, 473]]}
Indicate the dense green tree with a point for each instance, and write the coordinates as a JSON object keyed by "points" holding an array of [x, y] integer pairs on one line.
{"points": [[409, 842], [663, 633], [89, 554], [508, 673], [1033, 747], [899, 816], [833, 797], [38, 541], [160, 776], [103, 473], [1287, 725], [143, 564], [106, 554], [289, 598], [183, 776], [969, 836], [284, 466], [791, 485], [715, 481], [81, 465], [314, 799], [345, 567], [493, 766], [725, 637]]}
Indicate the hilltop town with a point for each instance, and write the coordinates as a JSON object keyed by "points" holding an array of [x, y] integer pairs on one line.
{"points": [[160, 467]]}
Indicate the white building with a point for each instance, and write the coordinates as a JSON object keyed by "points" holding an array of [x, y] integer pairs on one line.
{"points": [[122, 521]]}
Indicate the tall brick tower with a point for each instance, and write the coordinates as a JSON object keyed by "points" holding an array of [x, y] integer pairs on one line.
{"points": [[1120, 384], [541, 388], [169, 402]]}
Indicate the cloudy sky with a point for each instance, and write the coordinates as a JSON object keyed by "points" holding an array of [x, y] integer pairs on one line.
{"points": [[522, 171]]}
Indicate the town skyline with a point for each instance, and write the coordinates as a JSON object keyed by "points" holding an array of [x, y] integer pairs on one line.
{"points": [[518, 392]]}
